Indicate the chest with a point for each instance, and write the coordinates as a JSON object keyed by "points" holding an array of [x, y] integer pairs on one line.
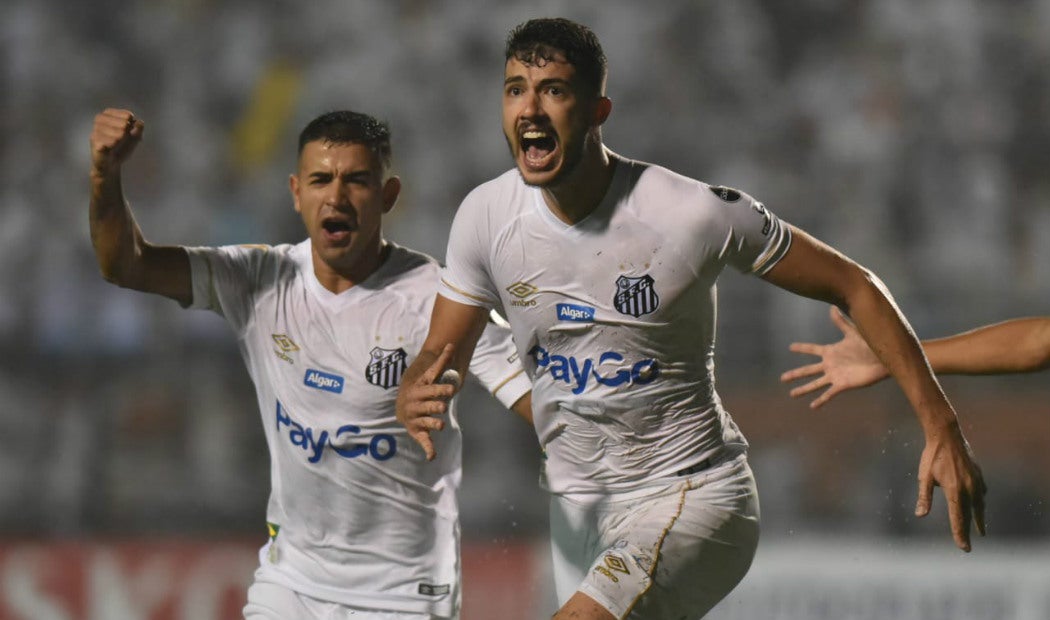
{"points": [[624, 273], [338, 348]]}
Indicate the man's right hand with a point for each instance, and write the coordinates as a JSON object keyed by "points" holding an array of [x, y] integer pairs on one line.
{"points": [[421, 402], [113, 138]]}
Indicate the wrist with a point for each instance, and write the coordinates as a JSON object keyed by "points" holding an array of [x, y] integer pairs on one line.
{"points": [[101, 176]]}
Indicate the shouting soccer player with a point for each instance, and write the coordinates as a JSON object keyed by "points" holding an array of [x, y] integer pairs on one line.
{"points": [[606, 269], [361, 525]]}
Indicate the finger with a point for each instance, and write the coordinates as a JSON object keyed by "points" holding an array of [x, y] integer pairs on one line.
{"points": [[427, 424], [840, 320], [802, 371], [137, 128], [435, 370], [824, 398], [117, 119], [430, 407], [423, 439], [812, 386], [922, 505], [978, 514], [808, 348], [959, 516]]}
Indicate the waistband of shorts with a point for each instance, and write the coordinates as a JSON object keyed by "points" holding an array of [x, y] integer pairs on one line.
{"points": [[708, 466]]}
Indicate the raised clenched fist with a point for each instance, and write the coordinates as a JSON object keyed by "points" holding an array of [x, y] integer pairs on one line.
{"points": [[113, 138]]}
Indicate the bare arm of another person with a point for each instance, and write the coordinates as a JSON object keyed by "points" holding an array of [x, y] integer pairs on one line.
{"points": [[124, 255], [1014, 346], [454, 331], [813, 269]]}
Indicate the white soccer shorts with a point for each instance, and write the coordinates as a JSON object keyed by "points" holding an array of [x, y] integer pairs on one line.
{"points": [[673, 552], [269, 601]]}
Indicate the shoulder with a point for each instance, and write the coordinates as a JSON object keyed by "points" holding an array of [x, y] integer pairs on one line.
{"points": [[505, 192], [663, 182], [410, 270], [406, 260], [655, 187]]}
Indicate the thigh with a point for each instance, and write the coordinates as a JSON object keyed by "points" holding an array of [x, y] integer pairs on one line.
{"points": [[269, 601], [574, 537], [678, 555]]}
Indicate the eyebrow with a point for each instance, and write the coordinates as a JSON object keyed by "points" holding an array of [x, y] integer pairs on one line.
{"points": [[544, 82], [354, 174]]}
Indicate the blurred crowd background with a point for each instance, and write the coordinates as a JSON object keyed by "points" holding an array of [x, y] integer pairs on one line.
{"points": [[913, 136]]}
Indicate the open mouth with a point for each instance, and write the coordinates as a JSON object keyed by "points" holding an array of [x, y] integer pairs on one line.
{"points": [[336, 228], [539, 148]]}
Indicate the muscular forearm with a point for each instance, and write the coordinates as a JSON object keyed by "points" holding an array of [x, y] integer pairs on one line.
{"points": [[114, 233], [1018, 345], [892, 340]]}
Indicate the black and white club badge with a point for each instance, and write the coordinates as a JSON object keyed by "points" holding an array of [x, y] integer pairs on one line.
{"points": [[727, 194], [636, 296], [386, 367]]}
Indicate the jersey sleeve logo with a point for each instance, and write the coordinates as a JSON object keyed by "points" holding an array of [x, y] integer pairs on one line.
{"points": [[636, 296], [767, 219], [728, 194], [385, 367]]}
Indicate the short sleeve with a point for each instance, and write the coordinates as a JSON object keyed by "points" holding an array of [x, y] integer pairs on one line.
{"points": [[756, 238], [224, 280], [465, 277]]}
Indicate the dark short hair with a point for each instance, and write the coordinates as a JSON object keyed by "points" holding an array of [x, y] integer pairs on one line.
{"points": [[347, 127], [536, 42]]}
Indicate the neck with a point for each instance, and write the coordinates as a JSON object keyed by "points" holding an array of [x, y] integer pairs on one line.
{"points": [[337, 278], [578, 195]]}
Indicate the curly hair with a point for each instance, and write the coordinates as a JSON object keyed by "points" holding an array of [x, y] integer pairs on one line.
{"points": [[537, 41]]}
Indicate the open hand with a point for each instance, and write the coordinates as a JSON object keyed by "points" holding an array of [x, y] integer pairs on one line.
{"points": [[844, 365]]}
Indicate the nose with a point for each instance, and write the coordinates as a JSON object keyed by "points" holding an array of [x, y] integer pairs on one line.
{"points": [[336, 194], [531, 106]]}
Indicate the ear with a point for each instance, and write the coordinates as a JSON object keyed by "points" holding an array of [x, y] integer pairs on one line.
{"points": [[391, 190], [602, 110], [293, 187]]}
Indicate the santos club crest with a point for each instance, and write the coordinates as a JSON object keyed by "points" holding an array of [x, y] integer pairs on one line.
{"points": [[386, 367], [636, 296]]}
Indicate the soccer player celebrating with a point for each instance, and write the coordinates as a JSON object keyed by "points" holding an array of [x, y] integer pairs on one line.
{"points": [[360, 524], [1013, 346], [606, 269]]}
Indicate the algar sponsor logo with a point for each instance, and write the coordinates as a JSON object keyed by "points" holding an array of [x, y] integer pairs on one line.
{"points": [[608, 369], [323, 381], [573, 312]]}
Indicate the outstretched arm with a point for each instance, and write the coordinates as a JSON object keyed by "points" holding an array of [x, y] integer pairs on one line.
{"points": [[124, 256], [454, 331], [1014, 346], [1018, 345], [813, 269]]}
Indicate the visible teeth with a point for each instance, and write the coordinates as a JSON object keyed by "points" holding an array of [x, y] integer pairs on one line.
{"points": [[534, 135]]}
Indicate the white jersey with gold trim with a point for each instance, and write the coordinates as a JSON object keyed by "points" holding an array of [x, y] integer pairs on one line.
{"points": [[359, 516], [614, 317]]}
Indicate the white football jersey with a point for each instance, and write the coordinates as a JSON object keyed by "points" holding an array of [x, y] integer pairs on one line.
{"points": [[360, 516], [614, 317]]}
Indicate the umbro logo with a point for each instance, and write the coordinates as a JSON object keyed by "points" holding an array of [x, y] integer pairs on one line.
{"points": [[285, 345], [522, 290]]}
